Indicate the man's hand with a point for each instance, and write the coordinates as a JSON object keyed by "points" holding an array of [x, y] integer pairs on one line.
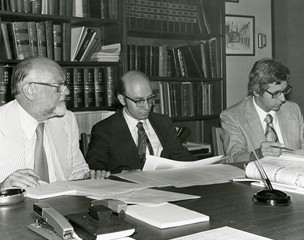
{"points": [[268, 150], [21, 178], [97, 174]]}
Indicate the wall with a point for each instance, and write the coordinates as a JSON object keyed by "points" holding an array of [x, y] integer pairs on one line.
{"points": [[288, 43], [238, 67]]}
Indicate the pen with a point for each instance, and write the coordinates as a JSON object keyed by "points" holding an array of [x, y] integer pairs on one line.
{"points": [[284, 148], [262, 171]]}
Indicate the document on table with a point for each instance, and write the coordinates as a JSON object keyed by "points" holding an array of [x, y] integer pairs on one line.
{"points": [[158, 163], [166, 215], [104, 188], [184, 177], [223, 233]]}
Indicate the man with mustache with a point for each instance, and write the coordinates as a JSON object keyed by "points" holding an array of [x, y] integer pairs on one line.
{"points": [[114, 144], [265, 120], [39, 112]]}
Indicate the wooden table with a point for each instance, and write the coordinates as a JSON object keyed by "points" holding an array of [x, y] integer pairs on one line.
{"points": [[227, 204]]}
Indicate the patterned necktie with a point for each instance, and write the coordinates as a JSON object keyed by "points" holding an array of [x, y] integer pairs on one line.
{"points": [[41, 167], [270, 134], [143, 142]]}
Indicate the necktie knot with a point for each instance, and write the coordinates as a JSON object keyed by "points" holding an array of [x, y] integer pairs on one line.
{"points": [[268, 119], [40, 130], [139, 125]]}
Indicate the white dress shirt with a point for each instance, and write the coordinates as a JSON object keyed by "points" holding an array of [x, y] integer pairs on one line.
{"points": [[61, 143], [132, 122], [262, 114]]}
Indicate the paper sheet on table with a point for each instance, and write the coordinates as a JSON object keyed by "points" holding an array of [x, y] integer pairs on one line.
{"points": [[158, 163], [152, 197], [104, 188], [222, 233], [184, 177]]}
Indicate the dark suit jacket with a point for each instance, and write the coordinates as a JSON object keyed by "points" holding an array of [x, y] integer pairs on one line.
{"points": [[112, 147], [243, 131]]}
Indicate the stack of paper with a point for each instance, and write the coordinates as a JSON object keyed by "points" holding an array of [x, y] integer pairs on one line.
{"points": [[108, 53], [166, 215]]}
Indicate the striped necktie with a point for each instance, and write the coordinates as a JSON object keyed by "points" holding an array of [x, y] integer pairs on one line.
{"points": [[270, 133], [41, 167], [143, 142]]}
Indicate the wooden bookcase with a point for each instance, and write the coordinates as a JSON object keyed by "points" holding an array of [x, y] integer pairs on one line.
{"points": [[171, 24], [155, 24]]}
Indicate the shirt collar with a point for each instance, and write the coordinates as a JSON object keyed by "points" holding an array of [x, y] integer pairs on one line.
{"points": [[132, 122], [262, 114]]}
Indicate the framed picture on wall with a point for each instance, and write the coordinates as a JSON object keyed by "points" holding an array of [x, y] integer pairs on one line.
{"points": [[240, 38]]}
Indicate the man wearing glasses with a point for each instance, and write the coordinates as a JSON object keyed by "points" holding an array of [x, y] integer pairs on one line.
{"points": [[115, 142], [39, 138], [264, 121]]}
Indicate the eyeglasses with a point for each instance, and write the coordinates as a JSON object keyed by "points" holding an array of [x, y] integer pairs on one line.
{"points": [[278, 93], [140, 102], [60, 86]]}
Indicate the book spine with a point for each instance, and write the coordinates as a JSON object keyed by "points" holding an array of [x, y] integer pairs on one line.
{"points": [[69, 8], [33, 38], [78, 87], [89, 94], [100, 86], [99, 9], [66, 41], [5, 76], [6, 42], [62, 7], [113, 9], [41, 38], [69, 74], [49, 39], [111, 78], [57, 40], [21, 39], [36, 6]]}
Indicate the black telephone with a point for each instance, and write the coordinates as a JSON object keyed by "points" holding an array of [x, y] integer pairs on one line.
{"points": [[183, 133]]}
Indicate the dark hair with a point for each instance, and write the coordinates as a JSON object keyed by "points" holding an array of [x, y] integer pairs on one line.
{"points": [[21, 70], [266, 71]]}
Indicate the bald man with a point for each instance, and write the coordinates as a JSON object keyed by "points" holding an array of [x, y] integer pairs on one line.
{"points": [[113, 145], [39, 88]]}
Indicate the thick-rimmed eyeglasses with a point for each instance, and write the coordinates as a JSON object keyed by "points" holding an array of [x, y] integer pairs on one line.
{"points": [[278, 93], [140, 102], [60, 86]]}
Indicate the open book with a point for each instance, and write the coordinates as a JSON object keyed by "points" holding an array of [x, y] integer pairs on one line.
{"points": [[287, 169]]}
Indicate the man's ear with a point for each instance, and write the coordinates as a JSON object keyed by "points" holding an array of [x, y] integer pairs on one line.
{"points": [[29, 91], [121, 99]]}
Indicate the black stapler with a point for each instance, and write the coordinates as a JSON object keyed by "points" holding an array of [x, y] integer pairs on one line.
{"points": [[51, 224], [103, 218]]}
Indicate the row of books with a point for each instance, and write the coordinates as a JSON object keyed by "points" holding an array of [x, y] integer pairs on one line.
{"points": [[199, 60], [105, 9], [59, 42], [185, 99], [89, 86], [175, 16]]}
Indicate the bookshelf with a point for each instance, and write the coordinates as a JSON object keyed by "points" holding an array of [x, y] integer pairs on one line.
{"points": [[180, 46], [91, 83]]}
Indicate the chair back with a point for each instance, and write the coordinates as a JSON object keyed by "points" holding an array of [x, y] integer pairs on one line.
{"points": [[217, 143], [84, 143]]}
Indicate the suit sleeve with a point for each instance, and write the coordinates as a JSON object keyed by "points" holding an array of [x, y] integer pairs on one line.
{"points": [[234, 141], [99, 152]]}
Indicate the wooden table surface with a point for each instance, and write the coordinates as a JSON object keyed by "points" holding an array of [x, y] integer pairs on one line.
{"points": [[227, 204]]}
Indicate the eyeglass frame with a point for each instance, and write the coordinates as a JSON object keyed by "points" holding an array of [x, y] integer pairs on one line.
{"points": [[60, 86], [279, 93], [141, 102]]}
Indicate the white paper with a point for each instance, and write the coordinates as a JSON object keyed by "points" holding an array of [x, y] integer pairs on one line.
{"points": [[184, 177], [157, 163], [222, 233], [166, 215]]}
